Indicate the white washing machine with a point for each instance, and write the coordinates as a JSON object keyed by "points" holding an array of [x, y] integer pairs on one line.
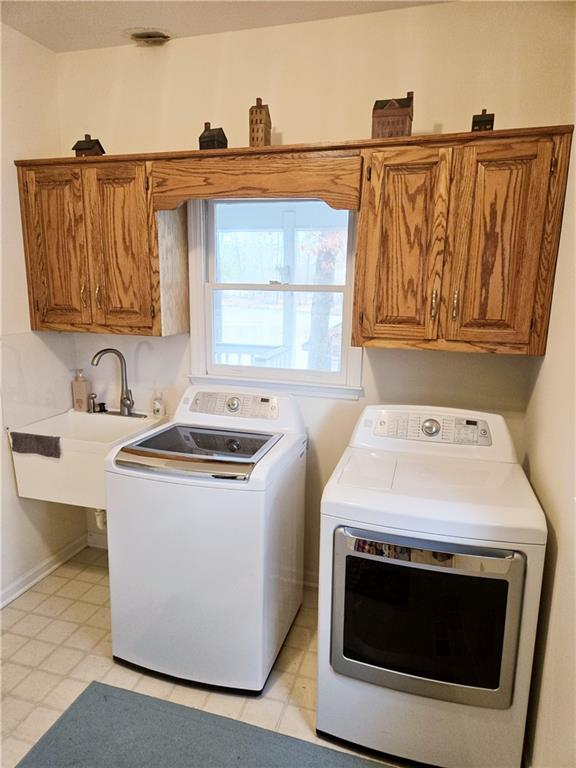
{"points": [[431, 557], [205, 537]]}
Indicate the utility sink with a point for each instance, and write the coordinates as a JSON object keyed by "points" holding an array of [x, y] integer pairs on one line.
{"points": [[77, 477]]}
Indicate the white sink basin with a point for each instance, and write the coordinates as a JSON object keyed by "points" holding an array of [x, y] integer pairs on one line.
{"points": [[77, 477], [91, 427]]}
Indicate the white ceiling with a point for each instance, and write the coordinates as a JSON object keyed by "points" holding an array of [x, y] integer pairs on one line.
{"points": [[72, 25]]}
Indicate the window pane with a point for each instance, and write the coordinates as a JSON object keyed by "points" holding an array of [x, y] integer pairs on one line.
{"points": [[294, 242], [278, 329]]}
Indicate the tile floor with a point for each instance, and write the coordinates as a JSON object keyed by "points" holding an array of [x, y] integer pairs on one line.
{"points": [[56, 639]]}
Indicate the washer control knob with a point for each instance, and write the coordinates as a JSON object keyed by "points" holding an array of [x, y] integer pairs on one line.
{"points": [[430, 427], [233, 404]]}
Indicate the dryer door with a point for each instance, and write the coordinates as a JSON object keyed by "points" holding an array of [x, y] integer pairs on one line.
{"points": [[429, 618]]}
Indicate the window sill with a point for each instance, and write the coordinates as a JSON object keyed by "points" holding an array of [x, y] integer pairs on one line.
{"points": [[303, 389]]}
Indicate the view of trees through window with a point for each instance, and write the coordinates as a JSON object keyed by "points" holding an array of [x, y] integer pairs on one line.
{"points": [[278, 274]]}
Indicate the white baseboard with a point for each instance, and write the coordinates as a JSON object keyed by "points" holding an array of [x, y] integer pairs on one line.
{"points": [[34, 575], [99, 540]]}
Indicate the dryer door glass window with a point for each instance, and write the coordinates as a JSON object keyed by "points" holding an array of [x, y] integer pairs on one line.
{"points": [[430, 624], [431, 618]]}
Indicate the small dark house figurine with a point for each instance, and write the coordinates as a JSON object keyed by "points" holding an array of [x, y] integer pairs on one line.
{"points": [[212, 138], [88, 146], [483, 122], [392, 117], [260, 125]]}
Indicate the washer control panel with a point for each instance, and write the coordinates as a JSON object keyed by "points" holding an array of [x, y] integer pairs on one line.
{"points": [[231, 404], [434, 428]]}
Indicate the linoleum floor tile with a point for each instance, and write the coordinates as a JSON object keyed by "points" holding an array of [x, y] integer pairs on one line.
{"points": [[78, 612], [28, 601], [10, 616], [53, 606], [224, 704], [50, 584], [32, 653], [13, 750], [63, 694], [298, 722], [37, 723], [36, 685], [62, 660], [85, 638], [13, 712], [10, 644], [30, 625], [12, 675], [57, 631]]}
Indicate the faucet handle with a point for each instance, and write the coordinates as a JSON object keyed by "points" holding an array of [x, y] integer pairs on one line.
{"points": [[128, 401], [92, 402]]}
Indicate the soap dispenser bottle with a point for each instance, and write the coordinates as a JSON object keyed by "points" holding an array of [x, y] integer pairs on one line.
{"points": [[80, 391]]}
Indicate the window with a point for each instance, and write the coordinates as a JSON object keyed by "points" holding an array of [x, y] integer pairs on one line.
{"points": [[276, 296]]}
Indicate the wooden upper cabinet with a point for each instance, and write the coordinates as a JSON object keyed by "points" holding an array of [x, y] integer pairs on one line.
{"points": [[59, 281], [119, 244], [98, 258], [400, 248], [457, 245], [456, 249], [497, 221]]}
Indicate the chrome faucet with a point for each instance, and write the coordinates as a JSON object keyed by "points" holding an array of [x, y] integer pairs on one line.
{"points": [[126, 400]]}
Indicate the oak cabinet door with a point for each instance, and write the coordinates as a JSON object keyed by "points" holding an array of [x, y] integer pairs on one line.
{"points": [[117, 229], [400, 254], [58, 274], [497, 216]]}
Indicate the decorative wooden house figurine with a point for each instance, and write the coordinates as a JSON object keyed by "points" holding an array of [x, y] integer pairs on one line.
{"points": [[88, 146], [483, 122], [260, 125], [212, 138], [392, 117]]}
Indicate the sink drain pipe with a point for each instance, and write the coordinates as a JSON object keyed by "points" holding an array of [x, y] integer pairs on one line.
{"points": [[100, 516]]}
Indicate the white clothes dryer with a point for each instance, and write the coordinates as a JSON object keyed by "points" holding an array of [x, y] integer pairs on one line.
{"points": [[205, 536], [431, 558]]}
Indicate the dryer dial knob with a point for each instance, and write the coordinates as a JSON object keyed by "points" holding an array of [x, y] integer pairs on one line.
{"points": [[431, 427], [233, 404]]}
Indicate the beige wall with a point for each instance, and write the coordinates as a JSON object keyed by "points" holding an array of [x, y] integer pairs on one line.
{"points": [[551, 459], [320, 80], [35, 367]]}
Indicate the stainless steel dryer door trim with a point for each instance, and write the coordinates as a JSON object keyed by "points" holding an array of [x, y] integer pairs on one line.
{"points": [[436, 556]]}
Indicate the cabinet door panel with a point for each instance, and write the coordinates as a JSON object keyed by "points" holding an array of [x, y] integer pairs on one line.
{"points": [[56, 247], [496, 225], [401, 243], [118, 240]]}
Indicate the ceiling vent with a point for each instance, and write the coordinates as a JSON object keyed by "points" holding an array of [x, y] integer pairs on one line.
{"points": [[149, 37]]}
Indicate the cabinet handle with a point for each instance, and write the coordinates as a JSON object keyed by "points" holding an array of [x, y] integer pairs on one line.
{"points": [[83, 295], [434, 305], [98, 304], [455, 305]]}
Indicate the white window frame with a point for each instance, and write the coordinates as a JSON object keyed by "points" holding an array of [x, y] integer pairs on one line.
{"points": [[345, 384]]}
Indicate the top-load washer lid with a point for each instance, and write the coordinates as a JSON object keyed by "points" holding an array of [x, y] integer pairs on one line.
{"points": [[224, 453]]}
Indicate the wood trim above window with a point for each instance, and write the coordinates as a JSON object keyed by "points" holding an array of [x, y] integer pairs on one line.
{"points": [[335, 180]]}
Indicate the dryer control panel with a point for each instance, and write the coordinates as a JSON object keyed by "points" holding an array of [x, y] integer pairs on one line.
{"points": [[433, 427]]}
